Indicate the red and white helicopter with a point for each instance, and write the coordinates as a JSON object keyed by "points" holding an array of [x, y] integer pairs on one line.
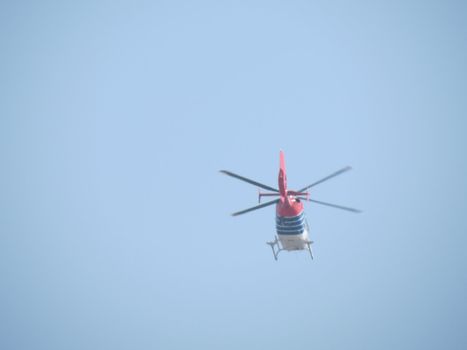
{"points": [[291, 225]]}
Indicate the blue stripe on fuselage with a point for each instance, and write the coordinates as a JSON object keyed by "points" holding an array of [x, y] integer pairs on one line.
{"points": [[294, 225]]}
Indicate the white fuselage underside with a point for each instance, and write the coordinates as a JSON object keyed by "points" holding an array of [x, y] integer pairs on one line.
{"points": [[294, 242]]}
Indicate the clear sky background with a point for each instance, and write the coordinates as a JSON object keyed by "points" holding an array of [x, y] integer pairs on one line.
{"points": [[115, 117]]}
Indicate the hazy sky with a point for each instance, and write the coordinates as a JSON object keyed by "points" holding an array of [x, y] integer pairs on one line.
{"points": [[115, 117]]}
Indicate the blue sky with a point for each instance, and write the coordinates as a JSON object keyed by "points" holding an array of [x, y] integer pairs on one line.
{"points": [[115, 118]]}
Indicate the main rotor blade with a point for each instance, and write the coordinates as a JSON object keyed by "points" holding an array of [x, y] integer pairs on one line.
{"points": [[332, 205], [343, 170], [256, 207], [249, 181]]}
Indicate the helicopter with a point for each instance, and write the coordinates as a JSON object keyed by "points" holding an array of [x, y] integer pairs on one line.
{"points": [[291, 225]]}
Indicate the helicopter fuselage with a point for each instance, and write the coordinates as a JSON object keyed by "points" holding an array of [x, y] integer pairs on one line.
{"points": [[291, 225]]}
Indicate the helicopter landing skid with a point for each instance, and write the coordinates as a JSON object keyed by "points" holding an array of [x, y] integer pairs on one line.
{"points": [[276, 251], [309, 243], [273, 244]]}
